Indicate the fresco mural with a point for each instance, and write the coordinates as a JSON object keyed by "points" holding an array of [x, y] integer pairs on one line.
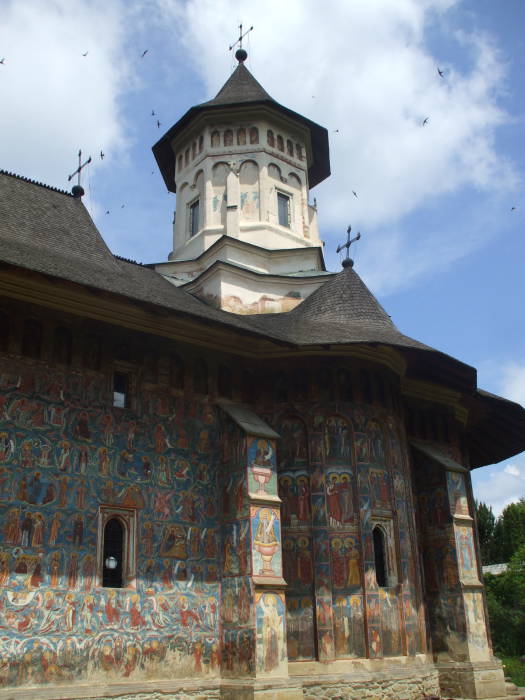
{"points": [[476, 624], [457, 493], [271, 647], [58, 462], [266, 539], [466, 553], [348, 626], [262, 477]]}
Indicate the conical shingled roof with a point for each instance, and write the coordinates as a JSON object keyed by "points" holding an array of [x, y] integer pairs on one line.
{"points": [[342, 310], [240, 87]]}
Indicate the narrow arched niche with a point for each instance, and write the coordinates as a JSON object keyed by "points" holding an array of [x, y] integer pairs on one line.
{"points": [[113, 554], [380, 556]]}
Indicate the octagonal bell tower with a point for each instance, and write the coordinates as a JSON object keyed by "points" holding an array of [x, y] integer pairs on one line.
{"points": [[245, 237]]}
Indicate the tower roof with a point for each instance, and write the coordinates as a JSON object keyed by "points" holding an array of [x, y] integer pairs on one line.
{"points": [[242, 90], [240, 87]]}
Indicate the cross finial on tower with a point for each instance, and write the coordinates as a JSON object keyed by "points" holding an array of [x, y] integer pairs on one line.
{"points": [[241, 54], [348, 262], [78, 190]]}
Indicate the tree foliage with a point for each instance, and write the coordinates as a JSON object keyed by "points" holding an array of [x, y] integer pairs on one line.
{"points": [[501, 538], [506, 605]]}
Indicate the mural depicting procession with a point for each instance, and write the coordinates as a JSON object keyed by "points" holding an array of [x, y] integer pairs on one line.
{"points": [[58, 463]]}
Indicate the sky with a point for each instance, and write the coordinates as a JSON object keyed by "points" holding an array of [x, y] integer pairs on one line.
{"points": [[440, 205]]}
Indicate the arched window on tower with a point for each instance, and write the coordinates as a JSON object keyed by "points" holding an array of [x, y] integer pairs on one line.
{"points": [[201, 143], [241, 137], [299, 151], [380, 556], [4, 332], [280, 142], [270, 138], [32, 339], [180, 162], [187, 156], [254, 135], [289, 147], [228, 137], [194, 150], [215, 139], [113, 554]]}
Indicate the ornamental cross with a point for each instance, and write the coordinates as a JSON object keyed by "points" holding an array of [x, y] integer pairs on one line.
{"points": [[348, 262], [79, 169], [241, 36]]}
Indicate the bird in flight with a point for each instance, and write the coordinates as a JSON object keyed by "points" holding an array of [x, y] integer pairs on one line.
{"points": [[144, 53], [441, 73], [102, 154], [107, 212], [2, 61], [152, 112], [85, 54], [354, 193], [336, 131], [425, 121], [158, 124], [513, 208], [122, 206]]}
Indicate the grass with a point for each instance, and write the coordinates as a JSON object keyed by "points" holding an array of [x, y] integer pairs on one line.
{"points": [[514, 669]]}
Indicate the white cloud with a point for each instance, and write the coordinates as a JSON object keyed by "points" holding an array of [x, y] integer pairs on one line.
{"points": [[365, 69], [513, 382], [497, 486], [54, 100]]}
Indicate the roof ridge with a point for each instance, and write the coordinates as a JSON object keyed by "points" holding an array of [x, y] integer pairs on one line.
{"points": [[129, 260], [34, 182]]}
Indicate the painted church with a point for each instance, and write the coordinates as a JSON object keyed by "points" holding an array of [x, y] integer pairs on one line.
{"points": [[229, 475]]}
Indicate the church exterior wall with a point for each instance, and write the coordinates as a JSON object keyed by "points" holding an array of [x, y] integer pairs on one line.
{"points": [[256, 568], [65, 452]]}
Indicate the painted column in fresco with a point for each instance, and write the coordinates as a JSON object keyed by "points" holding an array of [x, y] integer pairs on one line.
{"points": [[253, 603], [452, 580]]}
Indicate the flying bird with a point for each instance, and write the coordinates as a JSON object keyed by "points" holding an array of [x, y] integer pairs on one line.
{"points": [[336, 131], [425, 121], [2, 61], [513, 208], [122, 206], [107, 211], [158, 124], [144, 53], [441, 73], [354, 193], [102, 154], [152, 112], [85, 54]]}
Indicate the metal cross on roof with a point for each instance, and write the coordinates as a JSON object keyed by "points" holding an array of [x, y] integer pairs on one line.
{"points": [[77, 189], [348, 262], [239, 40]]}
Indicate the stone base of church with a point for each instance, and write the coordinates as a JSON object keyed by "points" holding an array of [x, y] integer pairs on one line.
{"points": [[385, 679], [472, 680]]}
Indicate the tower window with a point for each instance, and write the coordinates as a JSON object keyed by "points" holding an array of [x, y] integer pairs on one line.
{"points": [[280, 142], [380, 560], [270, 138], [180, 162], [194, 217], [254, 135], [299, 151], [186, 156], [283, 209], [113, 554], [120, 389], [215, 139], [289, 147], [201, 143], [228, 137], [241, 136], [193, 149]]}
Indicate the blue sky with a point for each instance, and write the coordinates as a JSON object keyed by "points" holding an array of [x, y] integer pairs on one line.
{"points": [[440, 247]]}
